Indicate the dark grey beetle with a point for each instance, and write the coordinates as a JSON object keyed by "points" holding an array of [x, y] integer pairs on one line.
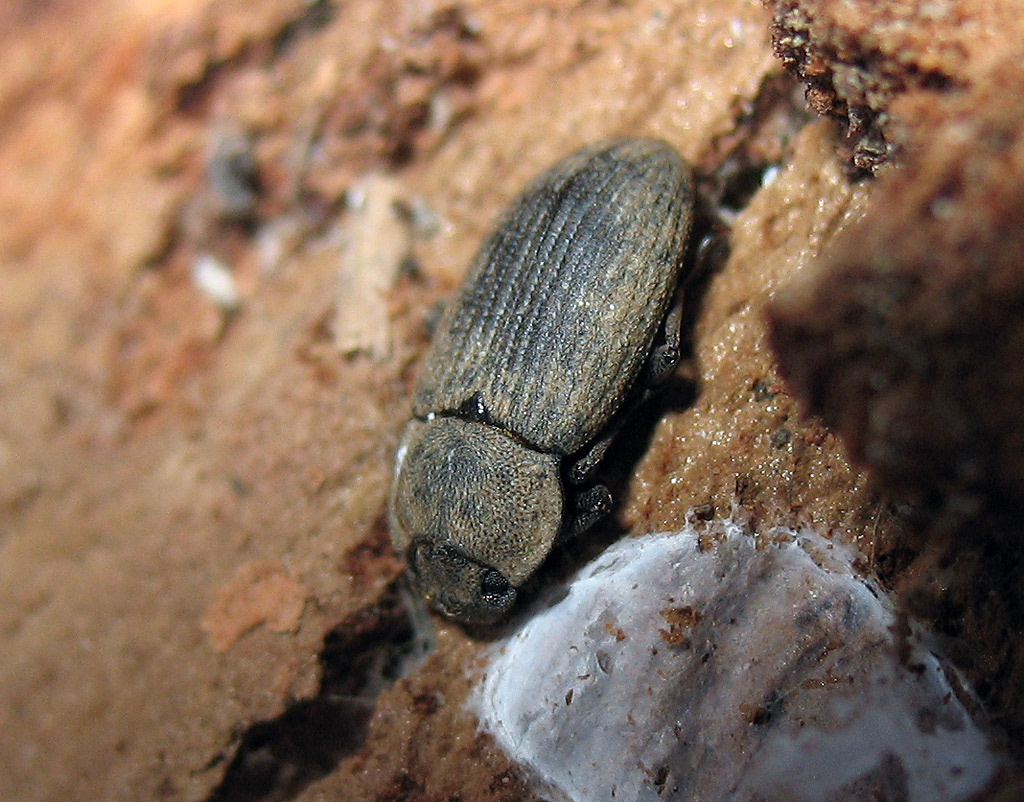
{"points": [[552, 335]]}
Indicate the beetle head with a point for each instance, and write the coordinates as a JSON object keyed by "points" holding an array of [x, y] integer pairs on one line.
{"points": [[457, 585], [475, 511]]}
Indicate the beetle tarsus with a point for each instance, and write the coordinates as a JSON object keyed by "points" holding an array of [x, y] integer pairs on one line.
{"points": [[591, 506], [585, 467], [663, 360]]}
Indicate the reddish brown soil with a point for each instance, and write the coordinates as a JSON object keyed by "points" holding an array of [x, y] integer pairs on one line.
{"points": [[192, 499]]}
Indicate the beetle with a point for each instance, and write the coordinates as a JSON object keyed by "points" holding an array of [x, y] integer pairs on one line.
{"points": [[561, 324]]}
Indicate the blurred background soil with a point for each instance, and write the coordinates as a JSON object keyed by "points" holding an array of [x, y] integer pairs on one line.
{"points": [[225, 232]]}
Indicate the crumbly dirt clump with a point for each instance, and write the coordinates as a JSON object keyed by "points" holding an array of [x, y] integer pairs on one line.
{"points": [[855, 59]]}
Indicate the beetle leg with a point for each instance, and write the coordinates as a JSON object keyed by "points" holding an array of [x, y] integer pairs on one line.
{"points": [[664, 358], [584, 467], [589, 507]]}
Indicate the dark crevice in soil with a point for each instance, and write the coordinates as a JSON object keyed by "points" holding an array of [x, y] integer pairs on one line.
{"points": [[735, 167], [194, 98], [761, 138], [361, 656], [318, 14]]}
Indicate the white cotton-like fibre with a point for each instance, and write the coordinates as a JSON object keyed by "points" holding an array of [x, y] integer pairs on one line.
{"points": [[752, 670]]}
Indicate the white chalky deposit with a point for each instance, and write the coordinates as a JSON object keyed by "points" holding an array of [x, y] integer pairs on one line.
{"points": [[744, 672]]}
